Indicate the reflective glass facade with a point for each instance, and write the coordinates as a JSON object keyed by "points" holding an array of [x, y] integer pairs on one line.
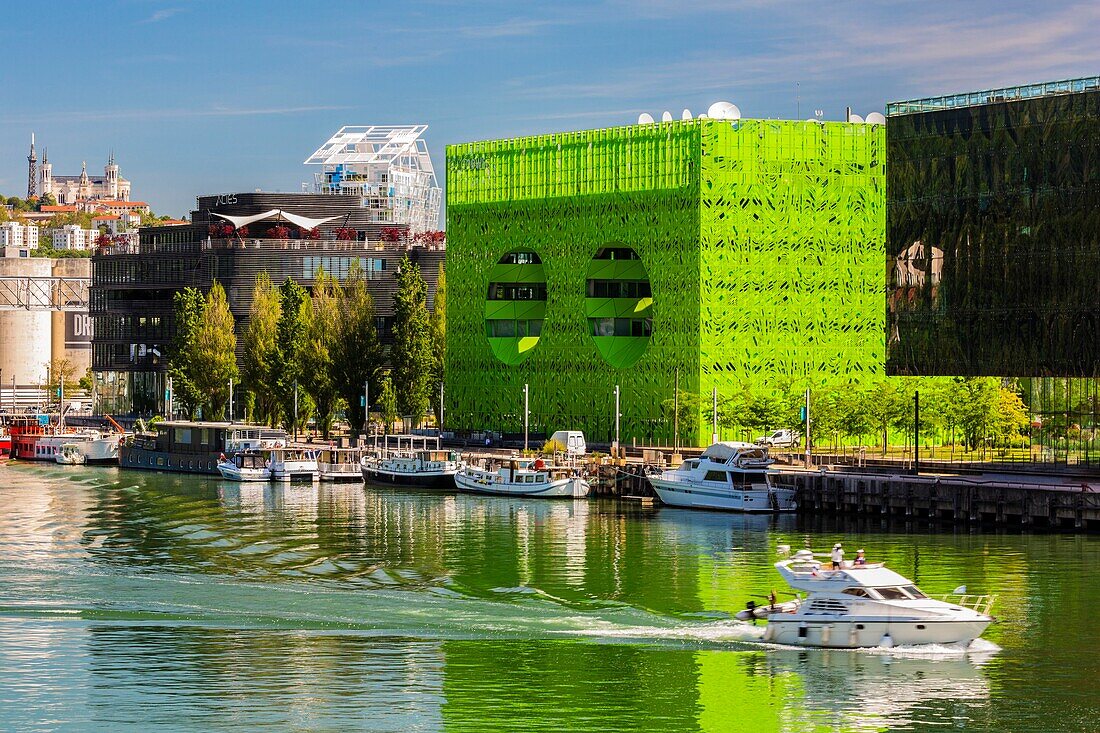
{"points": [[993, 236]]}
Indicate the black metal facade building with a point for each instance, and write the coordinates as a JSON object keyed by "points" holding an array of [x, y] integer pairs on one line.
{"points": [[993, 233], [132, 288]]}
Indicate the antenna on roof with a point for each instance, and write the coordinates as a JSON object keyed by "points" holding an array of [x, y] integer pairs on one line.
{"points": [[666, 116], [686, 114], [645, 118], [875, 118]]}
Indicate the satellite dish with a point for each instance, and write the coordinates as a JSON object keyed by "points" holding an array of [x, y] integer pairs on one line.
{"points": [[724, 111], [701, 117], [875, 118], [666, 116], [686, 114], [645, 118], [855, 118]]}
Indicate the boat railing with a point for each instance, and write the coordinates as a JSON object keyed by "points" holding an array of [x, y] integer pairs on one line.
{"points": [[977, 603]]}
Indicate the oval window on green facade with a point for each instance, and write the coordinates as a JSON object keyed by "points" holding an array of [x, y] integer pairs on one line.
{"points": [[619, 305], [515, 305]]}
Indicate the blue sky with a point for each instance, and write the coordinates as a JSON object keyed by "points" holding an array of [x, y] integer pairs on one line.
{"points": [[202, 97]]}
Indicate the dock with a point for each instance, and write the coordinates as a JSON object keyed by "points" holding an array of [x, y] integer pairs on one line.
{"points": [[1019, 501]]}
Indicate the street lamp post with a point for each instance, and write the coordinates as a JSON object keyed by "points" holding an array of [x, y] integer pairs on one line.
{"points": [[676, 415], [525, 416], [808, 458], [295, 410], [230, 399], [617, 391]]}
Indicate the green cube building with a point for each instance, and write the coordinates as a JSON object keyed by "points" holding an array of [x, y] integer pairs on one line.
{"points": [[712, 253]]}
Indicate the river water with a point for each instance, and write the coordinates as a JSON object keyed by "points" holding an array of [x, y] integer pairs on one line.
{"points": [[152, 602]]}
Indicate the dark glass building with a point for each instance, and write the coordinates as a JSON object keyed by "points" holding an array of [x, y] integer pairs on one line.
{"points": [[132, 287], [993, 233]]}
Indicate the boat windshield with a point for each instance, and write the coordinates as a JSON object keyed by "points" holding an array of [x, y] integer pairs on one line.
{"points": [[892, 594], [914, 592]]}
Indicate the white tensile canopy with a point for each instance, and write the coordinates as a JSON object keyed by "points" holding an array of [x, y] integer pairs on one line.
{"points": [[277, 215]]}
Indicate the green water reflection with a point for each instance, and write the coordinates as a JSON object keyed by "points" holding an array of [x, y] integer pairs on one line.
{"points": [[154, 602]]}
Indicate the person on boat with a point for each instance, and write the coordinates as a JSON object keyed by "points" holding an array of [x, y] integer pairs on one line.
{"points": [[860, 559], [838, 556]]}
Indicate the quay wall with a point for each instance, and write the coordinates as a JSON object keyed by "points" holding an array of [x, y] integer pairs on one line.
{"points": [[949, 499]]}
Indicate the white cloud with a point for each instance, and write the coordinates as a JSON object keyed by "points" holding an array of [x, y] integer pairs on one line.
{"points": [[162, 14]]}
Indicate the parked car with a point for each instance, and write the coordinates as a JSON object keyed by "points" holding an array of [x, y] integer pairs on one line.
{"points": [[780, 439]]}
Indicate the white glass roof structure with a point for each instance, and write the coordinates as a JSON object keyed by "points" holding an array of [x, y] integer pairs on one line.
{"points": [[388, 167]]}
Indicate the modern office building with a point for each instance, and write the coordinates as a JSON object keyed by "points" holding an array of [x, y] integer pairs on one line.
{"points": [[230, 238], [716, 253], [994, 232]]}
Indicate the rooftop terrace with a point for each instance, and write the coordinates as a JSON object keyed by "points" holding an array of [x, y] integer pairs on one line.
{"points": [[990, 96]]}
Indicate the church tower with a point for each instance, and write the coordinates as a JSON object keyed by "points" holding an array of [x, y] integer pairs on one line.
{"points": [[45, 177], [32, 172], [111, 177]]}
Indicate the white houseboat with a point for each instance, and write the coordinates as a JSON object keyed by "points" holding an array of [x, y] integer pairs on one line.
{"points": [[524, 477]]}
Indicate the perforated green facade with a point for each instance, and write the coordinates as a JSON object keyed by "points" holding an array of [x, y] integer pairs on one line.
{"points": [[761, 248]]}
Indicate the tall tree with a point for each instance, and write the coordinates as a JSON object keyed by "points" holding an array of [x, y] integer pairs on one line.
{"points": [[213, 353], [291, 337], [188, 305], [387, 404], [317, 363], [439, 341], [357, 355], [260, 352], [411, 353]]}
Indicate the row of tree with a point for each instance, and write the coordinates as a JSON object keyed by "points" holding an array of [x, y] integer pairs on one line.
{"points": [[972, 410], [312, 354]]}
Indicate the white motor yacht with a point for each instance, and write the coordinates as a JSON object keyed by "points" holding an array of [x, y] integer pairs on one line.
{"points": [[245, 466], [293, 464], [866, 606], [103, 449], [524, 477], [730, 476], [413, 460]]}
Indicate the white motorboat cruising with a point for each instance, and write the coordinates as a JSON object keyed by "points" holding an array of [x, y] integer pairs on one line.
{"points": [[293, 464], [524, 477], [866, 605], [730, 476], [340, 464], [413, 460], [245, 466]]}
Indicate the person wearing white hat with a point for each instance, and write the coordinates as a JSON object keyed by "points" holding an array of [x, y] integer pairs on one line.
{"points": [[860, 558], [838, 556]]}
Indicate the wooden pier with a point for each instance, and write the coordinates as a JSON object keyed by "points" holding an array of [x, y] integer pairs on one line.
{"points": [[948, 499]]}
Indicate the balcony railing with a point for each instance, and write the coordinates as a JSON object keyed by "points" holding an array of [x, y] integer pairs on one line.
{"points": [[228, 243]]}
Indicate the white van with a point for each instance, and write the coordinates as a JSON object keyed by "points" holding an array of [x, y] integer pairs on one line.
{"points": [[573, 440]]}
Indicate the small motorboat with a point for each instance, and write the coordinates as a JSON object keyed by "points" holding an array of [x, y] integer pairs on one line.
{"points": [[866, 605], [730, 476], [524, 477], [247, 466], [71, 454]]}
